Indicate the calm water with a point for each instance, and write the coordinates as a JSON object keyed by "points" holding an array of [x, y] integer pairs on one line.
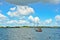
{"points": [[29, 34]]}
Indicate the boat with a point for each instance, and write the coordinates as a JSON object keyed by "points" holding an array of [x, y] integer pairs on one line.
{"points": [[38, 30]]}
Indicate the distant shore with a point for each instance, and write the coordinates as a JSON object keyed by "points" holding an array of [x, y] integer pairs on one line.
{"points": [[30, 27]]}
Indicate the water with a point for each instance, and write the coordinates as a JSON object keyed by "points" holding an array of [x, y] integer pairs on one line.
{"points": [[29, 34]]}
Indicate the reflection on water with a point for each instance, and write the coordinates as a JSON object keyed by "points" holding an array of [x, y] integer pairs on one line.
{"points": [[29, 34]]}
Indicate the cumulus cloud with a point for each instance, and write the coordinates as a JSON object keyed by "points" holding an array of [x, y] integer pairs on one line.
{"points": [[2, 17], [12, 9], [34, 19], [21, 11], [19, 22], [25, 10], [58, 22], [12, 21], [23, 22], [48, 21], [57, 17], [31, 18], [13, 14]]}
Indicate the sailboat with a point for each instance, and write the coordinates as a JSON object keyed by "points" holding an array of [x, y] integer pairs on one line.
{"points": [[38, 30]]}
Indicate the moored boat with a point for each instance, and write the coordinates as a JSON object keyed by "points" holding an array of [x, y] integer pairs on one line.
{"points": [[38, 30]]}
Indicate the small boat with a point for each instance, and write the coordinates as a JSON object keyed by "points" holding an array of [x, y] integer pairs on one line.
{"points": [[38, 30]]}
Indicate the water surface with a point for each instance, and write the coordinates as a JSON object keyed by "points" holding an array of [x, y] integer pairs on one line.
{"points": [[29, 34]]}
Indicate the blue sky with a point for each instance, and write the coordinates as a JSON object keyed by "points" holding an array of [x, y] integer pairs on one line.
{"points": [[43, 14]]}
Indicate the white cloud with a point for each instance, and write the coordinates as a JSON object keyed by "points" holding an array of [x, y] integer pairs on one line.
{"points": [[21, 11], [18, 22], [25, 10], [23, 22], [13, 14], [11, 22], [57, 17], [2, 17], [34, 19], [31, 18], [12, 9], [48, 21]]}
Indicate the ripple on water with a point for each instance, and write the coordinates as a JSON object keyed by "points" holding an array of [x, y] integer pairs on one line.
{"points": [[29, 34]]}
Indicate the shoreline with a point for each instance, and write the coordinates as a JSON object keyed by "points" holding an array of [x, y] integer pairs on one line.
{"points": [[29, 26]]}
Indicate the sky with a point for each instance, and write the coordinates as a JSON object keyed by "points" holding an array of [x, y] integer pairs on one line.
{"points": [[33, 14]]}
